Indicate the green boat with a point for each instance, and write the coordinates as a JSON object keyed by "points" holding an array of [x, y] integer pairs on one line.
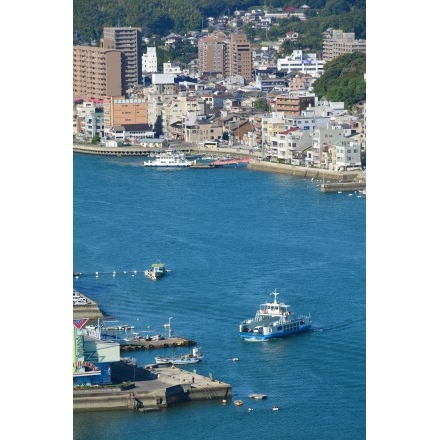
{"points": [[157, 270]]}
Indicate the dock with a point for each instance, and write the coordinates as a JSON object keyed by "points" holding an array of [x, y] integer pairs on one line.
{"points": [[150, 389], [343, 187], [143, 344]]}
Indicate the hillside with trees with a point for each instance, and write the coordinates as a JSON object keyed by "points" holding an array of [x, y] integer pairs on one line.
{"points": [[343, 80], [158, 18]]}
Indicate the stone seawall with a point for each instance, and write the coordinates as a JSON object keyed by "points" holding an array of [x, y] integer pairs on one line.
{"points": [[315, 173]]}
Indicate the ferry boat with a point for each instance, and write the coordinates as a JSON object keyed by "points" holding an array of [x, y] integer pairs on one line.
{"points": [[274, 320], [168, 158], [191, 358]]}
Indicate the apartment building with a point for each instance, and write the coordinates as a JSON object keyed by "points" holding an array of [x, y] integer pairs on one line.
{"points": [[129, 41], [96, 72], [294, 103], [337, 42], [226, 56], [240, 55], [213, 52]]}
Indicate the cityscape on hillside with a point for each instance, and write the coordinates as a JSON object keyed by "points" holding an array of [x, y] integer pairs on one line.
{"points": [[232, 94]]}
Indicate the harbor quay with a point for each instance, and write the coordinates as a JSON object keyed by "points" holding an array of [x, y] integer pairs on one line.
{"points": [[256, 162], [150, 388], [147, 388]]}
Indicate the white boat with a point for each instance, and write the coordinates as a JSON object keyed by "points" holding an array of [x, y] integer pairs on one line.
{"points": [[191, 358], [156, 270], [274, 320], [168, 158]]}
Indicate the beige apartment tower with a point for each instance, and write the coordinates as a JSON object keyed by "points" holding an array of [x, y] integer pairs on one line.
{"points": [[129, 41], [213, 52], [229, 57], [240, 57], [96, 72]]}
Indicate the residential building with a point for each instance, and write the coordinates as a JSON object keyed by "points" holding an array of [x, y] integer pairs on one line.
{"points": [[323, 139], [212, 51], [271, 124], [129, 41], [225, 56], [336, 43], [293, 103], [149, 61], [94, 124], [290, 145], [308, 120], [240, 57], [347, 154], [96, 72], [172, 68]]}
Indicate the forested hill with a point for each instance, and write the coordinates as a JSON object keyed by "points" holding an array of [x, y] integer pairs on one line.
{"points": [[161, 17], [343, 79]]}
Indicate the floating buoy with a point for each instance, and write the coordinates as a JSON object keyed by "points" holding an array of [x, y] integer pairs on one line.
{"points": [[224, 401]]}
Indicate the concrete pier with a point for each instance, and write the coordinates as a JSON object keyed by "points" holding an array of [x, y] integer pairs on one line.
{"points": [[149, 389]]}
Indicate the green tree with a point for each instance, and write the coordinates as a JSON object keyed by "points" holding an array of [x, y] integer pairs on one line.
{"points": [[262, 104]]}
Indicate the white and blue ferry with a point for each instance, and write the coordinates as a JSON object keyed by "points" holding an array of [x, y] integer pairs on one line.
{"points": [[274, 320]]}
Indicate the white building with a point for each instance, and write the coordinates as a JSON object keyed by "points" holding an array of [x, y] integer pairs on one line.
{"points": [[94, 125], [175, 69], [149, 60], [323, 139], [348, 154], [299, 62]]}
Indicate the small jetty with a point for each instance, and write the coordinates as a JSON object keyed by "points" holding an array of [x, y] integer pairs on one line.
{"points": [[145, 344]]}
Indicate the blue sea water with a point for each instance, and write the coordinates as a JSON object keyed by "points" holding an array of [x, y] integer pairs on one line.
{"points": [[230, 237]]}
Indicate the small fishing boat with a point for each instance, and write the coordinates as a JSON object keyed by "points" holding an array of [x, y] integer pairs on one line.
{"points": [[156, 270], [274, 320], [238, 402], [191, 358]]}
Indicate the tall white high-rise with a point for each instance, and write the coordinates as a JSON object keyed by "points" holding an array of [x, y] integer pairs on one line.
{"points": [[149, 60]]}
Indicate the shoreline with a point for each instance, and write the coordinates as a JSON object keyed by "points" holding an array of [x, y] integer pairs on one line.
{"points": [[356, 176]]}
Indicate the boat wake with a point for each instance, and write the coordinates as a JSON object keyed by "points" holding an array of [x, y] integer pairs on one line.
{"points": [[336, 327]]}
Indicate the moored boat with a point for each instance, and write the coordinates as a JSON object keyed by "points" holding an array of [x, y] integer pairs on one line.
{"points": [[191, 358], [169, 158], [274, 320]]}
